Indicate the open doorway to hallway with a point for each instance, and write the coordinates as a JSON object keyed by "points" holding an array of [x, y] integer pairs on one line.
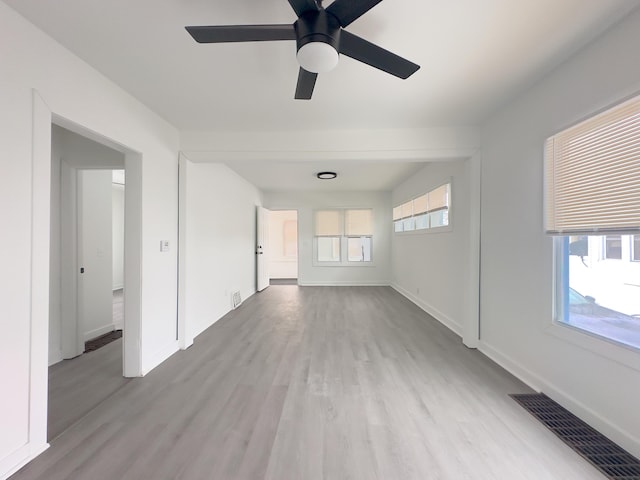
{"points": [[283, 247], [86, 277]]}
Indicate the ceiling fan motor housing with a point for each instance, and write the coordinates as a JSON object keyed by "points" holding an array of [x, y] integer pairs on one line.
{"points": [[317, 26]]}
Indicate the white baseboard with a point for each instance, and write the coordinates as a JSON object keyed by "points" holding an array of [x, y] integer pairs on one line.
{"points": [[19, 458], [91, 334], [160, 356], [514, 368], [618, 434], [431, 310], [339, 283], [55, 357]]}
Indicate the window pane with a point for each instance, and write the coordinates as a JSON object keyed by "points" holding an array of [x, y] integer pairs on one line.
{"points": [[359, 249], [408, 224], [397, 225], [613, 247], [635, 253], [439, 218], [329, 223], [601, 295], [359, 222], [422, 221], [328, 249], [397, 213]]}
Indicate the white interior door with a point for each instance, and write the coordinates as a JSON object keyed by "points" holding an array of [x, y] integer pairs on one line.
{"points": [[262, 248]]}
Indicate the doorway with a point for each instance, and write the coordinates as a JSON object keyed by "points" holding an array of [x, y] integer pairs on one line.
{"points": [[86, 296], [283, 247]]}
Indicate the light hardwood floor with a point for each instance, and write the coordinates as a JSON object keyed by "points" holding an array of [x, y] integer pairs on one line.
{"points": [[315, 383]]}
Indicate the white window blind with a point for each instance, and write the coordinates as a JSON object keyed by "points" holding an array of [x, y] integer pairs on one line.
{"points": [[359, 222], [439, 198], [329, 223], [420, 205], [407, 209], [592, 174]]}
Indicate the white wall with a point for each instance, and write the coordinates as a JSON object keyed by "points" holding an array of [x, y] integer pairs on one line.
{"points": [[220, 237], [305, 203], [281, 266], [95, 251], [517, 269], [117, 192], [432, 267], [74, 91]]}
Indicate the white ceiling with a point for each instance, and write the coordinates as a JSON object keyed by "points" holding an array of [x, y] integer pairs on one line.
{"points": [[301, 176], [474, 56]]}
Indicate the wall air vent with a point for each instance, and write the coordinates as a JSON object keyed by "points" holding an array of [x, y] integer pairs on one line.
{"points": [[236, 299]]}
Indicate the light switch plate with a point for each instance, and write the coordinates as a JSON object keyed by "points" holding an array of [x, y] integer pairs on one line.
{"points": [[164, 245]]}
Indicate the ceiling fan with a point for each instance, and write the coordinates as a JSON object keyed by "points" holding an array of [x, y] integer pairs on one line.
{"points": [[320, 38]]}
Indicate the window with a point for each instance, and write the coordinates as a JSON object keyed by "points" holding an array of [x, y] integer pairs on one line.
{"points": [[345, 230], [427, 211], [592, 206], [613, 247]]}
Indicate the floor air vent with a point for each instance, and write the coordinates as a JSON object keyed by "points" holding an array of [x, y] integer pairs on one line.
{"points": [[613, 461]]}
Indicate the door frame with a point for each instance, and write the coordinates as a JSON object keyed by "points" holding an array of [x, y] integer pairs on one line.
{"points": [[43, 118]]}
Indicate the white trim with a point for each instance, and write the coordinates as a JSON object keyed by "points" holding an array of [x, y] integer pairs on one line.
{"points": [[600, 345], [523, 374], [339, 283], [431, 310], [471, 326], [40, 246], [160, 356], [96, 332], [620, 436], [55, 357], [185, 338], [19, 458]]}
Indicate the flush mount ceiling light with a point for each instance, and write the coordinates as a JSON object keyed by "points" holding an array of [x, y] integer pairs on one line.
{"points": [[327, 175]]}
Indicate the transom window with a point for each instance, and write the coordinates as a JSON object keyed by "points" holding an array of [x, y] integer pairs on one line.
{"points": [[430, 210]]}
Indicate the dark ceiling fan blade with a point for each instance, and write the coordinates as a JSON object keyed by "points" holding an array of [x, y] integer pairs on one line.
{"points": [[241, 33], [302, 6], [359, 49], [347, 11], [306, 82]]}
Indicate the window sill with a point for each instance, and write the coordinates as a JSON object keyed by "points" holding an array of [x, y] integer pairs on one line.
{"points": [[602, 346], [343, 264], [427, 231]]}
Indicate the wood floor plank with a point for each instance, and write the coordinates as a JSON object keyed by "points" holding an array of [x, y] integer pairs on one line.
{"points": [[310, 383]]}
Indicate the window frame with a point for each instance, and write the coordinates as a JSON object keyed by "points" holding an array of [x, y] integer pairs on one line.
{"points": [[344, 240], [554, 323], [427, 230], [555, 326]]}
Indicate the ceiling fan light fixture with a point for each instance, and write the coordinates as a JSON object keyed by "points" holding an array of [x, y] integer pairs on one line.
{"points": [[317, 57], [327, 175]]}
